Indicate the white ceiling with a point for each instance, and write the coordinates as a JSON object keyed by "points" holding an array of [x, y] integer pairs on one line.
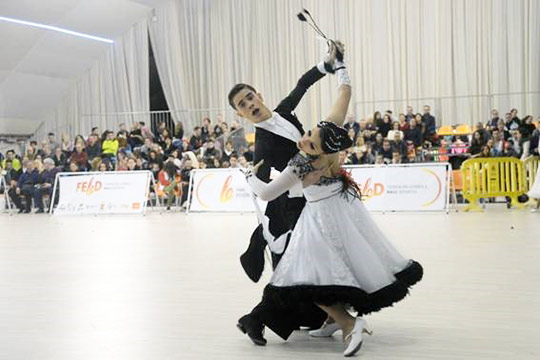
{"points": [[37, 66]]}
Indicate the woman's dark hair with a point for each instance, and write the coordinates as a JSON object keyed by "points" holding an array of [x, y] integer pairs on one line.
{"points": [[170, 168], [334, 138], [236, 89]]}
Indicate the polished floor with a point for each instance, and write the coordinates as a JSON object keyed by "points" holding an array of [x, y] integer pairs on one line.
{"points": [[170, 286]]}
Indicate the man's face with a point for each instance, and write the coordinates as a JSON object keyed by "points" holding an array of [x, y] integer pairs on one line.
{"points": [[188, 164], [9, 155], [494, 114], [250, 106], [233, 161], [426, 109], [51, 138], [409, 109], [397, 136], [30, 166], [386, 145]]}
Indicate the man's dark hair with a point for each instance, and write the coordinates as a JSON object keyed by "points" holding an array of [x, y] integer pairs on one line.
{"points": [[9, 161], [141, 123], [50, 134], [10, 151], [94, 128], [236, 89], [33, 142]]}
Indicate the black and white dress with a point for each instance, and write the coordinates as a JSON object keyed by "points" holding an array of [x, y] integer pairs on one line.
{"points": [[337, 253]]}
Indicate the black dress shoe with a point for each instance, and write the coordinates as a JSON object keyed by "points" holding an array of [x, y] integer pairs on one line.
{"points": [[27, 211], [253, 329], [20, 211], [40, 211]]}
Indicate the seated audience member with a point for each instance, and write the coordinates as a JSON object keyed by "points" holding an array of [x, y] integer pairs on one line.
{"points": [[233, 160], [109, 147], [386, 151], [395, 129], [477, 143], [509, 149], [527, 127], [396, 157], [494, 121], [352, 124], [59, 158], [15, 163], [484, 152], [378, 143], [410, 114], [79, 157], [362, 155], [400, 146], [403, 124], [73, 167], [196, 141], [185, 174], [503, 130], [25, 186], [414, 134], [135, 138], [206, 130], [169, 181], [93, 147], [45, 183], [485, 134], [498, 142], [379, 159]]}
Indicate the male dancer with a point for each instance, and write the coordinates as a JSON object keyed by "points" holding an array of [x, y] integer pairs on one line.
{"points": [[276, 136]]}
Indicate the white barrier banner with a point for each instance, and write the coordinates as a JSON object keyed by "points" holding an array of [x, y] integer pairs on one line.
{"points": [[122, 192], [221, 190], [414, 187]]}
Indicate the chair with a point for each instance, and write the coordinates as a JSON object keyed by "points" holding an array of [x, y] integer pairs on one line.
{"points": [[445, 130], [463, 130]]}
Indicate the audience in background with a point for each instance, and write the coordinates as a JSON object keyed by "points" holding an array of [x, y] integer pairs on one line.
{"points": [[171, 156]]}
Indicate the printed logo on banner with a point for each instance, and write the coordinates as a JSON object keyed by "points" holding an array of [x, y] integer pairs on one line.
{"points": [[227, 192], [89, 187], [368, 190]]}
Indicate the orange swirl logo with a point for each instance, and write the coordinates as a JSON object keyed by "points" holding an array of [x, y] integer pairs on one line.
{"points": [[368, 190], [226, 191], [89, 187]]}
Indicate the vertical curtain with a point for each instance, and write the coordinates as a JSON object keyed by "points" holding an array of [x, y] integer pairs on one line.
{"points": [[117, 82], [401, 52]]}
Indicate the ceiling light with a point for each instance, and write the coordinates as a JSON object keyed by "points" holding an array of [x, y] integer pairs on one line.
{"points": [[54, 28]]}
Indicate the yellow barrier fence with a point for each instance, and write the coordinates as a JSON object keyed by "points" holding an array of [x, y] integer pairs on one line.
{"points": [[491, 177]]}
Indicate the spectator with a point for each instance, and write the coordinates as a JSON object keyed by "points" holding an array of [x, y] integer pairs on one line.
{"points": [[233, 160], [509, 149], [379, 159], [109, 148], [396, 157], [395, 129], [398, 145], [352, 124], [93, 147], [362, 155], [527, 127], [494, 121], [179, 130], [185, 174], [196, 141], [60, 159], [385, 125], [79, 157], [228, 151], [25, 187], [169, 182], [386, 151], [414, 134], [45, 183], [477, 143], [430, 127], [410, 114], [498, 142], [503, 130], [378, 144], [16, 163], [206, 130], [403, 123], [135, 138], [73, 167], [53, 144], [512, 122], [250, 153], [485, 133], [67, 144]]}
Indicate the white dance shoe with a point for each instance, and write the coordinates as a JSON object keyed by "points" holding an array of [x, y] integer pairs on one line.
{"points": [[355, 337], [326, 330]]}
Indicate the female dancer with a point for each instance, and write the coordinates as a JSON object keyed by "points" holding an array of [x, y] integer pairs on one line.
{"points": [[337, 257]]}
